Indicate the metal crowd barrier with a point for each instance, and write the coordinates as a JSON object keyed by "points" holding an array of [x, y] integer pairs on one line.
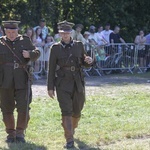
{"points": [[143, 57], [118, 57], [110, 58], [40, 66]]}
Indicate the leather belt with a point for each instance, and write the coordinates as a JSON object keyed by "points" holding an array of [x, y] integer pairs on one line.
{"points": [[72, 68], [15, 65]]}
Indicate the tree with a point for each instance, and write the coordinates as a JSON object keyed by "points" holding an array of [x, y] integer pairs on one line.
{"points": [[131, 16]]}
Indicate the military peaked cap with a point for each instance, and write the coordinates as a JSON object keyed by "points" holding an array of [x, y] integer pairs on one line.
{"points": [[11, 24], [65, 26]]}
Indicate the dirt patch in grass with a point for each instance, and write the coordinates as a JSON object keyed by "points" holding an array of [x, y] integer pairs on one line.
{"points": [[92, 83], [141, 143]]}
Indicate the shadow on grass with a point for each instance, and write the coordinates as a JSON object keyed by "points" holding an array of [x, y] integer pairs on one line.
{"points": [[83, 146], [24, 146]]}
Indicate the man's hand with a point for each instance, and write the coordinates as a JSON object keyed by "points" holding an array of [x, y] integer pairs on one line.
{"points": [[26, 54], [51, 93], [88, 59]]}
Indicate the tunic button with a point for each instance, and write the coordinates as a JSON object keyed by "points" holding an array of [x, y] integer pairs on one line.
{"points": [[72, 61], [13, 48], [13, 42]]}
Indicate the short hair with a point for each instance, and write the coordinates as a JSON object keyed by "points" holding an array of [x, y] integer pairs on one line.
{"points": [[107, 24], [116, 27], [42, 20], [100, 26]]}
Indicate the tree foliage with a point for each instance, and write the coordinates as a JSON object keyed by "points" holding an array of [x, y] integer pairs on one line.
{"points": [[131, 16]]}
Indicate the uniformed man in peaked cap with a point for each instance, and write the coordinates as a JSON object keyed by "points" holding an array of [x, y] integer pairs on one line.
{"points": [[15, 90], [65, 74]]}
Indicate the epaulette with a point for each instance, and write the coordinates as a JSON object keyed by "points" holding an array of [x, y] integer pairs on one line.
{"points": [[3, 37], [56, 44], [77, 42], [25, 36]]}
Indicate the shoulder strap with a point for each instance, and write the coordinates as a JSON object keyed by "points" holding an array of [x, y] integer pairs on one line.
{"points": [[15, 56], [11, 50]]}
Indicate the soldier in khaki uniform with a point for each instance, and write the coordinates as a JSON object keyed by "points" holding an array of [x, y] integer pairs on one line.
{"points": [[15, 53], [65, 74]]}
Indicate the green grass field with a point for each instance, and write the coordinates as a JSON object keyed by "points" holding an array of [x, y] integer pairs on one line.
{"points": [[115, 117]]}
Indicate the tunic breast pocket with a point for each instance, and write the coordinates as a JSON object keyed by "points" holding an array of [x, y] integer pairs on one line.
{"points": [[22, 47], [62, 61]]}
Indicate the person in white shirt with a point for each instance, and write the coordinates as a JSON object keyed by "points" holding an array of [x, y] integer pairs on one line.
{"points": [[77, 35], [106, 33], [93, 38], [98, 42], [42, 24], [101, 40], [87, 43], [100, 29], [49, 41], [39, 43]]}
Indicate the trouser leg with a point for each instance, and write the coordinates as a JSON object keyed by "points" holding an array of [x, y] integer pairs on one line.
{"points": [[9, 122], [22, 105], [75, 123], [71, 104], [7, 105], [78, 103], [65, 103], [22, 121]]}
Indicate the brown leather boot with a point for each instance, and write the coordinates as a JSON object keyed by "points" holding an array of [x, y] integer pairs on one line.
{"points": [[22, 122], [68, 133], [9, 122], [75, 123]]}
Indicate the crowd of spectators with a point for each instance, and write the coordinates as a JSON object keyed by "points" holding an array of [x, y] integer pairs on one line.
{"points": [[98, 37]]}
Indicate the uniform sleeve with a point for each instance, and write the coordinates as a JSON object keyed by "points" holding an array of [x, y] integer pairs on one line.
{"points": [[34, 52], [51, 70], [83, 55]]}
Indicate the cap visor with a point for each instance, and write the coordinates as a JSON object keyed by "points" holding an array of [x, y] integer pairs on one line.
{"points": [[10, 28]]}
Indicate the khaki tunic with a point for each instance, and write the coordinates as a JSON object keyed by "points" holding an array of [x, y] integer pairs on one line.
{"points": [[10, 77], [13, 82], [69, 84]]}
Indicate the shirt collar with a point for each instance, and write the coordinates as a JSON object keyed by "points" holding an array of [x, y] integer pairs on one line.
{"points": [[19, 37], [64, 45]]}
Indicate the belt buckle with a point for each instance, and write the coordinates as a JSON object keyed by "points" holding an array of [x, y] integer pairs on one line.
{"points": [[72, 68], [16, 65]]}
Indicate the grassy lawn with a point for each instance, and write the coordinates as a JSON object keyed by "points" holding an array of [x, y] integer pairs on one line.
{"points": [[115, 117]]}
